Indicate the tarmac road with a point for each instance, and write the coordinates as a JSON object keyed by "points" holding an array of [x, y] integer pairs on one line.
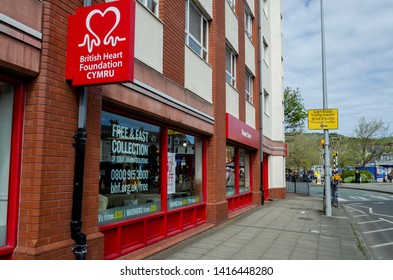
{"points": [[374, 221]]}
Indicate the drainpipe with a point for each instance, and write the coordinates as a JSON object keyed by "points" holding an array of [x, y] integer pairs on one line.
{"points": [[80, 247], [260, 58]]}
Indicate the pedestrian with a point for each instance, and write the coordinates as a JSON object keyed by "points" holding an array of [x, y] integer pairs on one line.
{"points": [[357, 177]]}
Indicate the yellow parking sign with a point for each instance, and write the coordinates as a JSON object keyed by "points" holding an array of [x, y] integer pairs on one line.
{"points": [[320, 119]]}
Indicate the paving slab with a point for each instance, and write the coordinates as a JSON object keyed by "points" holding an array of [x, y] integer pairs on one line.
{"points": [[294, 228]]}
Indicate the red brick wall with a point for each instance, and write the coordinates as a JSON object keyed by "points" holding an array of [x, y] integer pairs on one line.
{"points": [[277, 193], [174, 21], [256, 97], [241, 62], [217, 208], [51, 116]]}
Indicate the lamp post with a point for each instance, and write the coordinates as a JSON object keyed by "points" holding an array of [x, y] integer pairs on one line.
{"points": [[327, 206]]}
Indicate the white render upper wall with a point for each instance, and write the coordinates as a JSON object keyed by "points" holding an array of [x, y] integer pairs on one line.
{"points": [[276, 71], [250, 55], [198, 75], [273, 121], [231, 27], [149, 38], [206, 6], [232, 101]]}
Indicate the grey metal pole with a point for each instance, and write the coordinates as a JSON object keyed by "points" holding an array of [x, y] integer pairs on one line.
{"points": [[83, 94], [328, 205], [260, 55]]}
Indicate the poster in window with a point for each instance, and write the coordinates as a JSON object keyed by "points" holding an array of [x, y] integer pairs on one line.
{"points": [[171, 173]]}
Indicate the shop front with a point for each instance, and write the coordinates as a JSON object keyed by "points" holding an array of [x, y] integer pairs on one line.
{"points": [[242, 144], [20, 37], [152, 182]]}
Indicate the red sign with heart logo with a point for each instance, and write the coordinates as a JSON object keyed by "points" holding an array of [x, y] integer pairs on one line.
{"points": [[100, 46]]}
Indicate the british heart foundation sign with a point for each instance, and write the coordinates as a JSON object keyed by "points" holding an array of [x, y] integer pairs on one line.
{"points": [[100, 46]]}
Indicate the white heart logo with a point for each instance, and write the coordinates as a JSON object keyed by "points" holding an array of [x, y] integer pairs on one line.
{"points": [[96, 40]]}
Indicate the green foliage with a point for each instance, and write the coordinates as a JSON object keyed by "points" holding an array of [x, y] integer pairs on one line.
{"points": [[366, 146], [303, 151], [370, 140], [366, 176], [294, 110]]}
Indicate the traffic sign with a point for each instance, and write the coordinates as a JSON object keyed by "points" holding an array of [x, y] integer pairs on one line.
{"points": [[321, 119]]}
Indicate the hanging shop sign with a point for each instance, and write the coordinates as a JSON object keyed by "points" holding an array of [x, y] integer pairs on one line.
{"points": [[239, 131], [100, 44]]}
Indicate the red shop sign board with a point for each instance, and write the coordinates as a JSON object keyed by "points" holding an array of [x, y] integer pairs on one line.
{"points": [[239, 131], [100, 45]]}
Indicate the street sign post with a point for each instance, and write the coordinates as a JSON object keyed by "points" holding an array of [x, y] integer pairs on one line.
{"points": [[321, 119]]}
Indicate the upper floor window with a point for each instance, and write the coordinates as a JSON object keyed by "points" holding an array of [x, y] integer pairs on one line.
{"points": [[196, 30], [266, 100], [265, 52], [230, 67], [152, 5], [248, 21], [232, 4], [265, 7], [249, 82]]}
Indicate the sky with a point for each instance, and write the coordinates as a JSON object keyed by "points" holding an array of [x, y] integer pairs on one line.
{"points": [[359, 57]]}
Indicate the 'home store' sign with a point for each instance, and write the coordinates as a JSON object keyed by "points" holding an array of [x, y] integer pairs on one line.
{"points": [[100, 45]]}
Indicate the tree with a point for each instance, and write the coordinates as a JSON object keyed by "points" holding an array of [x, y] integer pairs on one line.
{"points": [[303, 151], [347, 149], [370, 140], [294, 111]]}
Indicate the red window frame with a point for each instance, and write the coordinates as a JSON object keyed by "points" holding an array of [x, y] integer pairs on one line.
{"points": [[6, 252], [158, 226], [240, 200]]}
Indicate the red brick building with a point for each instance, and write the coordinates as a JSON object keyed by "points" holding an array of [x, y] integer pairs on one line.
{"points": [[155, 160]]}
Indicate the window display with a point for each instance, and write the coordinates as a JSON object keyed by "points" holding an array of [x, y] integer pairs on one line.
{"points": [[230, 171], [184, 185], [238, 171], [129, 182], [244, 170]]}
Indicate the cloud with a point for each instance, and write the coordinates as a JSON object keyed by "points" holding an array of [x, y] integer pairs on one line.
{"points": [[359, 57]]}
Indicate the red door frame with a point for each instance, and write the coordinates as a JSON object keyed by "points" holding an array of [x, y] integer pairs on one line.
{"points": [[265, 176], [6, 252]]}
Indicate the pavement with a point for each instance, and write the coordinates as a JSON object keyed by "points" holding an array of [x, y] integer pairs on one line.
{"points": [[294, 228]]}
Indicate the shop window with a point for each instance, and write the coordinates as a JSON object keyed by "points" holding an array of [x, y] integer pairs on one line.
{"points": [[230, 171], [238, 171], [6, 105], [129, 182], [244, 171], [184, 186]]}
